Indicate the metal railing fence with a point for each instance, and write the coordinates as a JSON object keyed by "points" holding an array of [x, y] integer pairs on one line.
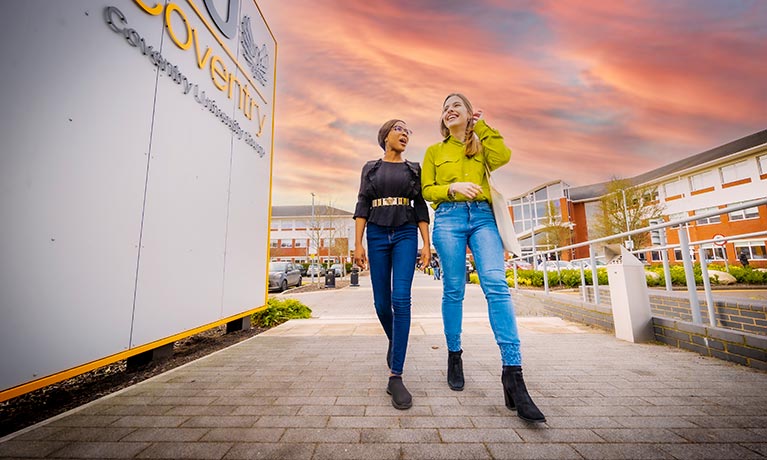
{"points": [[684, 245]]}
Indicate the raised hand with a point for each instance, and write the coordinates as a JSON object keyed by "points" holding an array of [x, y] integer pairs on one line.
{"points": [[477, 115]]}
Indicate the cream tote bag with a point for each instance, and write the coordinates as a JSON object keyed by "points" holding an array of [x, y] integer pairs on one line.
{"points": [[503, 219]]}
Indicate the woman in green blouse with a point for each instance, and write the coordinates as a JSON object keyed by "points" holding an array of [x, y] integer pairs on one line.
{"points": [[453, 178]]}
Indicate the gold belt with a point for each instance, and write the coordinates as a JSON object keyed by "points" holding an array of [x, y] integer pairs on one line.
{"points": [[391, 201]]}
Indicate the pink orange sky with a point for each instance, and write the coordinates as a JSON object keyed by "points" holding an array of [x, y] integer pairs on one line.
{"points": [[581, 91]]}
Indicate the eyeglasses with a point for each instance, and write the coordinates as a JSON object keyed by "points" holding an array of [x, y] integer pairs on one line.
{"points": [[400, 129]]}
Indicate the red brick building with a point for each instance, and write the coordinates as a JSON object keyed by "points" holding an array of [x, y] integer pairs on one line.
{"points": [[729, 174]]}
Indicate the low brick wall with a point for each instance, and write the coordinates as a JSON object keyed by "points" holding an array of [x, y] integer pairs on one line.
{"points": [[565, 306], [741, 315], [734, 346]]}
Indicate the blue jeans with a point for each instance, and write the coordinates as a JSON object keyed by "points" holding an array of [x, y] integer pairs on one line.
{"points": [[456, 225], [392, 254]]}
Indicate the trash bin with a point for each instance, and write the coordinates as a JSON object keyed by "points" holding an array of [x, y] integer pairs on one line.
{"points": [[330, 278], [632, 316], [355, 277]]}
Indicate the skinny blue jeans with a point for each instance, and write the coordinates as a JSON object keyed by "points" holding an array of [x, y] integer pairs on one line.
{"points": [[456, 225], [392, 254]]}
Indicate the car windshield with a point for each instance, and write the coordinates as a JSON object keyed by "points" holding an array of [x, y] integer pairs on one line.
{"points": [[278, 266]]}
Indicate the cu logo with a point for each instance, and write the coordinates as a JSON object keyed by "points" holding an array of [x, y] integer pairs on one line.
{"points": [[227, 26]]}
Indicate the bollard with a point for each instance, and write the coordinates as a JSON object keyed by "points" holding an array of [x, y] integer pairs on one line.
{"points": [[330, 278], [355, 277]]}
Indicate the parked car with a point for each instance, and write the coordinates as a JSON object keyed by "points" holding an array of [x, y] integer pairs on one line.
{"points": [[586, 264], [339, 269], [555, 265], [283, 275], [521, 265], [315, 270]]}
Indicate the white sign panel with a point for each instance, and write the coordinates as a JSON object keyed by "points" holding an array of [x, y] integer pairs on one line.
{"points": [[135, 171]]}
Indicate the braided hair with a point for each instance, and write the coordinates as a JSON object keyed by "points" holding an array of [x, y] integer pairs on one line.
{"points": [[473, 145]]}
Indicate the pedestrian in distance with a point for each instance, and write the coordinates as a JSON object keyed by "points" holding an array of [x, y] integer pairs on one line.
{"points": [[743, 257], [455, 181], [435, 268], [390, 206]]}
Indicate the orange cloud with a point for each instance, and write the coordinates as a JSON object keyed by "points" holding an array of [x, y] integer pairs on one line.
{"points": [[628, 86]]}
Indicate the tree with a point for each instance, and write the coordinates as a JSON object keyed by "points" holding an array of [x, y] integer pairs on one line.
{"points": [[555, 232], [326, 227], [625, 206]]}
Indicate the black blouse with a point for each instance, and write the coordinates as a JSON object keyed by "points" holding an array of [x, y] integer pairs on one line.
{"points": [[382, 179]]}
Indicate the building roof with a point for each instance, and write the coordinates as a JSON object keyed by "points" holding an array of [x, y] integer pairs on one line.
{"points": [[306, 210], [588, 192]]}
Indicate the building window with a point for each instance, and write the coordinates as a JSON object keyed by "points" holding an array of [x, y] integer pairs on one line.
{"points": [[650, 196], [702, 181], [678, 254], [655, 256], [762, 160], [273, 244], [300, 243], [676, 216], [735, 172], [714, 253], [744, 214], [286, 244], [753, 249], [708, 220], [675, 188]]}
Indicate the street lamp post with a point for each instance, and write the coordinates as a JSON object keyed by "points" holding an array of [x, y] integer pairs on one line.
{"points": [[312, 240]]}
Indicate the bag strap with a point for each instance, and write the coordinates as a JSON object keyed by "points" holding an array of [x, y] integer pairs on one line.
{"points": [[489, 177]]}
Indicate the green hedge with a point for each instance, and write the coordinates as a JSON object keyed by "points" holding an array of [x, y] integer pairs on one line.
{"points": [[572, 278], [743, 275], [564, 278], [278, 311]]}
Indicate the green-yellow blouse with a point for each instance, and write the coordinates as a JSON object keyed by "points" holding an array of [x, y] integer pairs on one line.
{"points": [[446, 162]]}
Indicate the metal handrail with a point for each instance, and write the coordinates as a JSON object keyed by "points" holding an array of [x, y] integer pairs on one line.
{"points": [[716, 212], [684, 244]]}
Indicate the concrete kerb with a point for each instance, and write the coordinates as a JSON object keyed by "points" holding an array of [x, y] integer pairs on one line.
{"points": [[316, 389]]}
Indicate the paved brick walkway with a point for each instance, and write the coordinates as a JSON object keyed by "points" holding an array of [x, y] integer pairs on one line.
{"points": [[315, 389]]}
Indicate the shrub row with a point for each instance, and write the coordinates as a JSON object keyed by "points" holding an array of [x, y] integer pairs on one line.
{"points": [[572, 278]]}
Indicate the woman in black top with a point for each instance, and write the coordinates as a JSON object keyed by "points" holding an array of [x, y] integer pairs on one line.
{"points": [[390, 205]]}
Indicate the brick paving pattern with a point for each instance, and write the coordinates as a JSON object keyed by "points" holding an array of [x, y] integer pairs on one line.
{"points": [[315, 389]]}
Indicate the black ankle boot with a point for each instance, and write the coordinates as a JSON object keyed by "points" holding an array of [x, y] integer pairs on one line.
{"points": [[455, 370], [516, 395], [400, 397], [388, 355]]}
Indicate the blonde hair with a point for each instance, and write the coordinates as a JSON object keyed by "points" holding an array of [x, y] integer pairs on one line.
{"points": [[473, 145]]}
